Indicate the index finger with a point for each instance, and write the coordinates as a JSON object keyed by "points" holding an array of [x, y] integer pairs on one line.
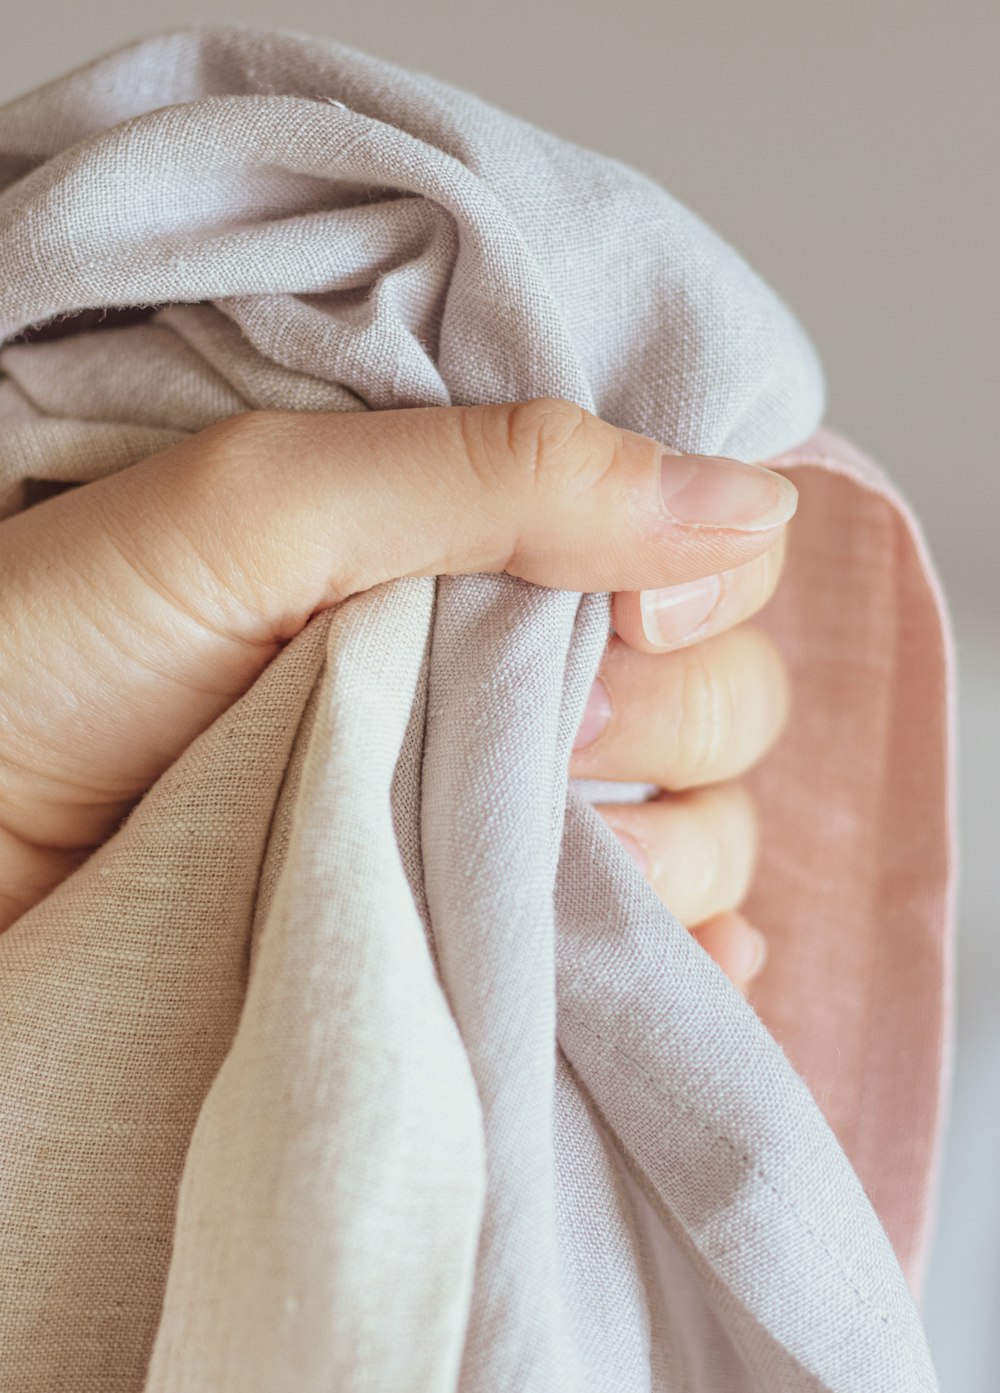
{"points": [[655, 621]]}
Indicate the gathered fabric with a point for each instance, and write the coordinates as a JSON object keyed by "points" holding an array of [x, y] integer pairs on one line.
{"points": [[361, 1057]]}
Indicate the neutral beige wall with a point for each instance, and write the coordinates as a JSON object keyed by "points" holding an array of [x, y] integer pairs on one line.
{"points": [[849, 149]]}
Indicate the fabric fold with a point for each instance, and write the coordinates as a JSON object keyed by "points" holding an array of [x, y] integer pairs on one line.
{"points": [[361, 1057]]}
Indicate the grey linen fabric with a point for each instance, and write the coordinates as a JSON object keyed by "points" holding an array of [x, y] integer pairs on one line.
{"points": [[361, 1058]]}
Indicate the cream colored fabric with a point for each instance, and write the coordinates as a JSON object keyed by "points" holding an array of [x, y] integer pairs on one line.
{"points": [[361, 1058]]}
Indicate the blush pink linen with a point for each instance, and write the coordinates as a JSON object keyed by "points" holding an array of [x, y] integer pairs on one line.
{"points": [[856, 882]]}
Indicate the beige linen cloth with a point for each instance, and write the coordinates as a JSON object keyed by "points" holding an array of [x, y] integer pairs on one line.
{"points": [[361, 1058]]}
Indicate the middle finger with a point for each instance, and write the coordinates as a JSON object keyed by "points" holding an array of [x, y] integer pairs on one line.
{"points": [[686, 718]]}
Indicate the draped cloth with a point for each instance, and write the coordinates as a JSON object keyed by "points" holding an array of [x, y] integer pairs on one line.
{"points": [[361, 1057]]}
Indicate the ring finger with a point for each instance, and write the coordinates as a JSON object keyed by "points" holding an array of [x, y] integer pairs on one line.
{"points": [[698, 851]]}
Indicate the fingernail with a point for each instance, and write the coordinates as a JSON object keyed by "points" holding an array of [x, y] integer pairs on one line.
{"points": [[670, 616], [709, 491], [596, 715]]}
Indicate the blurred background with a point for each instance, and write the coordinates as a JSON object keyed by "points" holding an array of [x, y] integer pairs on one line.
{"points": [[851, 152]]}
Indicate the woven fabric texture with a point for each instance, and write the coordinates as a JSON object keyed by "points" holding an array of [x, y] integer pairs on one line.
{"points": [[361, 1058]]}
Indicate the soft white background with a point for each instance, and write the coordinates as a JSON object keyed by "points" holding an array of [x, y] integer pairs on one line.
{"points": [[850, 150]]}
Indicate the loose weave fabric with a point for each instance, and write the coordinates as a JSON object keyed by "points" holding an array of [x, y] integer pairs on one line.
{"points": [[361, 1057]]}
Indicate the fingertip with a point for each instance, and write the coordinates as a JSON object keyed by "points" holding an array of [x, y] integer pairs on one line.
{"points": [[736, 945], [680, 614], [658, 621], [626, 620], [719, 492], [756, 950]]}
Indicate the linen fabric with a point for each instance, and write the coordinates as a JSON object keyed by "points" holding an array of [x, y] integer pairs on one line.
{"points": [[361, 1057]]}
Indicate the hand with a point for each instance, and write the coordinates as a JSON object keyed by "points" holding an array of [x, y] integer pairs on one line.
{"points": [[688, 698], [135, 609]]}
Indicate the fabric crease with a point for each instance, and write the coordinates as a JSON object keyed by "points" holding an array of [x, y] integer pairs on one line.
{"points": [[361, 1057]]}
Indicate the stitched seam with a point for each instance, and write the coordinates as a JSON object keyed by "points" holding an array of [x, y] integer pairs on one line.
{"points": [[755, 1169]]}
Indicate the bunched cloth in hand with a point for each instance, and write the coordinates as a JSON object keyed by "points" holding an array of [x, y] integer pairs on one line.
{"points": [[361, 1057]]}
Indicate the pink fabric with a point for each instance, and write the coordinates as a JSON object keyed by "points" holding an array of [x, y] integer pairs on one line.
{"points": [[856, 882]]}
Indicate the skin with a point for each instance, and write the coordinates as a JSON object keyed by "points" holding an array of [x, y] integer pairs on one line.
{"points": [[135, 609]]}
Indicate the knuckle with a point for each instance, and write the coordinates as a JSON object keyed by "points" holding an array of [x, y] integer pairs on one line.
{"points": [[195, 474], [720, 855], [708, 713], [206, 462], [204, 559], [228, 459], [553, 442], [770, 675], [237, 438]]}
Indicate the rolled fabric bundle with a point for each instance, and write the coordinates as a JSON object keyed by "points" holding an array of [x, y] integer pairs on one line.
{"points": [[361, 1057]]}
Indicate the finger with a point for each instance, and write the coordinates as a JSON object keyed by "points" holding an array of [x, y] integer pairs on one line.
{"points": [[293, 511], [696, 716], [169, 586], [697, 850], [736, 945], [656, 620]]}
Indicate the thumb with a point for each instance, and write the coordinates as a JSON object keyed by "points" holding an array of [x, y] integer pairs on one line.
{"points": [[135, 609], [542, 489]]}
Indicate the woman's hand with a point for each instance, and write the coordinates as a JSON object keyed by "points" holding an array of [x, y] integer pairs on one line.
{"points": [[690, 700], [135, 609]]}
